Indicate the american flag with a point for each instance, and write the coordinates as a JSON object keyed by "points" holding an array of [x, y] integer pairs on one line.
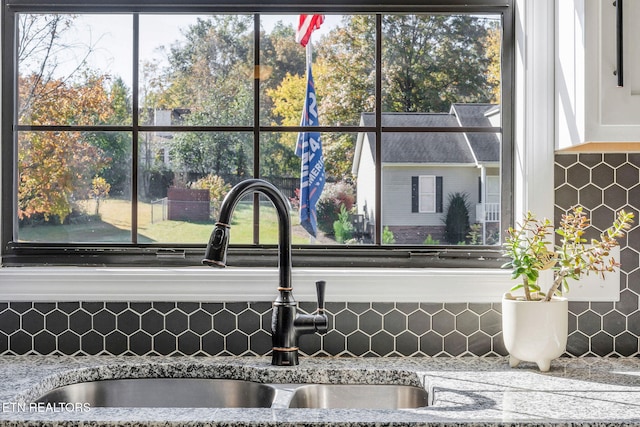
{"points": [[306, 26]]}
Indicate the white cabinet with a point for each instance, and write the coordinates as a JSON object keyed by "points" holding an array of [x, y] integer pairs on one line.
{"points": [[590, 107]]}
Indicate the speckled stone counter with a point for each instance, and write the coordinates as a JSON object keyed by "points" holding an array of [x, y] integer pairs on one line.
{"points": [[468, 391]]}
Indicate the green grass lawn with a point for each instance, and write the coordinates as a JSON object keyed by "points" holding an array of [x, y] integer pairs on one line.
{"points": [[114, 226]]}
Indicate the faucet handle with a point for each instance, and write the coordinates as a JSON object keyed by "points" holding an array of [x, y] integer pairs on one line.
{"points": [[320, 287]]}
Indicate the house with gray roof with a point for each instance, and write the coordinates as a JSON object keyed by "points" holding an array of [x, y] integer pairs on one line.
{"points": [[421, 169]]}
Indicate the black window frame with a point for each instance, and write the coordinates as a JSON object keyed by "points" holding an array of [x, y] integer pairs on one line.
{"points": [[134, 254]]}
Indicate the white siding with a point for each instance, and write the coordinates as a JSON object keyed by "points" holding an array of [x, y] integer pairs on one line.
{"points": [[396, 192], [366, 182]]}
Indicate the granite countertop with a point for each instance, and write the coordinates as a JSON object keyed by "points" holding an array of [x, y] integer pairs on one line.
{"points": [[466, 391]]}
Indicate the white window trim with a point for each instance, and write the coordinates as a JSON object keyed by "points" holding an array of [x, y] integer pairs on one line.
{"points": [[421, 191], [533, 180]]}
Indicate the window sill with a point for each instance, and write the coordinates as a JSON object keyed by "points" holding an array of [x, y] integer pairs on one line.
{"points": [[451, 285]]}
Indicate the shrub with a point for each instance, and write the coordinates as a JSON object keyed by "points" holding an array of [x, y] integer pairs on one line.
{"points": [[387, 236], [457, 220], [333, 197], [215, 184], [342, 228], [430, 241]]}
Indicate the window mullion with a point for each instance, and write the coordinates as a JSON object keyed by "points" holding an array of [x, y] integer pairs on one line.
{"points": [[135, 101], [378, 142], [256, 125]]}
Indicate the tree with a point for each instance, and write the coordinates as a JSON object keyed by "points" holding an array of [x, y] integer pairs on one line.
{"points": [[457, 219], [57, 167], [41, 40], [433, 61]]}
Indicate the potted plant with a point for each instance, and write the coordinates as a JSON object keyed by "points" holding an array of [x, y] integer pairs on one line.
{"points": [[535, 324]]}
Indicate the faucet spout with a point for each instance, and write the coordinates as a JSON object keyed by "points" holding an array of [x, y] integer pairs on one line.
{"points": [[286, 324]]}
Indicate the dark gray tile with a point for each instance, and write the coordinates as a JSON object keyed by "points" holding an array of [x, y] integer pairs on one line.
{"points": [[224, 321], [164, 307], [394, 322], [589, 323], [128, 322], [260, 343], [627, 175], [4, 344], [566, 159], [236, 343], [590, 159], [467, 323], [188, 343], [176, 322], [559, 175], [615, 197], [566, 197], [9, 321], [615, 159], [358, 343], [455, 344], [68, 343], [116, 307], [334, 342], [92, 307], [33, 321], [20, 307], [419, 322], [140, 343], [382, 343], [80, 322], [602, 176], [628, 302], [164, 343], [370, 322], [188, 307], [92, 343], [602, 344], [590, 197], [213, 343], [614, 323], [104, 322], [407, 344], [491, 322], [44, 307], [152, 322], [44, 343], [21, 343], [358, 307], [626, 344], [116, 343], [382, 307], [479, 344], [249, 322], [578, 175], [309, 344], [68, 307], [200, 322], [407, 307], [56, 321], [140, 307], [443, 322], [431, 344], [346, 322]]}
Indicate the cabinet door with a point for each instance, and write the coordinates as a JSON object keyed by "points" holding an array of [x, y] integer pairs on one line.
{"points": [[590, 107]]}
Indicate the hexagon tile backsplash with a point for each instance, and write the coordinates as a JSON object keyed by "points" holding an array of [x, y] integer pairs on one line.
{"points": [[602, 183]]}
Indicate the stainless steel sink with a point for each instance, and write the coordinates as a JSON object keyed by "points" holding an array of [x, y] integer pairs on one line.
{"points": [[358, 396], [165, 393], [227, 393]]}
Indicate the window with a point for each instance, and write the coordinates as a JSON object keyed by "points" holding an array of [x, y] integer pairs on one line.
{"points": [[127, 124]]}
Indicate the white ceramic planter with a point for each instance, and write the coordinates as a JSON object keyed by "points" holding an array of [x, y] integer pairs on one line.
{"points": [[534, 331]]}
